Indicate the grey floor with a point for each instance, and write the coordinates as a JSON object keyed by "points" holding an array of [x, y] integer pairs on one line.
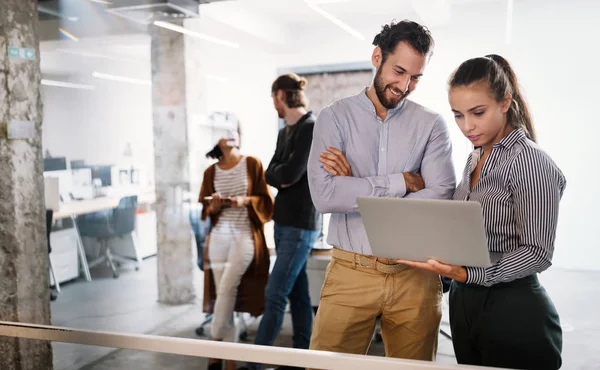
{"points": [[129, 304]]}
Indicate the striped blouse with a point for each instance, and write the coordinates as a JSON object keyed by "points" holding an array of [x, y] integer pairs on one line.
{"points": [[230, 183], [519, 189]]}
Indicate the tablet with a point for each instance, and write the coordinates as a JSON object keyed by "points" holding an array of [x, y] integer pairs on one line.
{"points": [[449, 231]]}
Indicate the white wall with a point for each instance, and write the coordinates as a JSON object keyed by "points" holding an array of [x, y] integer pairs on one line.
{"points": [[247, 93], [556, 59], [224, 79], [550, 51], [95, 125], [239, 81]]}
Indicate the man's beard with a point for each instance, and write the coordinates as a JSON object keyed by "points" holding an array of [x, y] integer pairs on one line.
{"points": [[380, 90]]}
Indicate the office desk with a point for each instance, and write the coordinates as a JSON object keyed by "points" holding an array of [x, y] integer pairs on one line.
{"points": [[315, 271], [82, 207], [76, 208]]}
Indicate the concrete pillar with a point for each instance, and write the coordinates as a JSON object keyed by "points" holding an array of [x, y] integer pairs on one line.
{"points": [[24, 290], [200, 137], [171, 157]]}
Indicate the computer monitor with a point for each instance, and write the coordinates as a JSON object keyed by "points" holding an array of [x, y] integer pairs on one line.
{"points": [[55, 164], [77, 164], [103, 173]]}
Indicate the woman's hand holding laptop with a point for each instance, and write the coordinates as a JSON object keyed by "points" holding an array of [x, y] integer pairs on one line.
{"points": [[458, 273]]}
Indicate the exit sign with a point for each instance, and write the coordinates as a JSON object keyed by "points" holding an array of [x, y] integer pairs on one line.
{"points": [[21, 53]]}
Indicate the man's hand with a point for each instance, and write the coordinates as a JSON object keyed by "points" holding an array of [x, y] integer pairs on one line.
{"points": [[335, 163], [414, 182], [458, 273], [239, 201]]}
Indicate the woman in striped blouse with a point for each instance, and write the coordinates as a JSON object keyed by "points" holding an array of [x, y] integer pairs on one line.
{"points": [[501, 316], [237, 199]]}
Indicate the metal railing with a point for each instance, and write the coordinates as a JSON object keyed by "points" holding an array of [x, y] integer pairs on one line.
{"points": [[223, 350]]}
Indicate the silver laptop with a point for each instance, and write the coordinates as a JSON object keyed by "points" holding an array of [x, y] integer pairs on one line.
{"points": [[449, 231]]}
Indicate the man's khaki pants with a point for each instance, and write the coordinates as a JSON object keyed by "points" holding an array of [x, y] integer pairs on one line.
{"points": [[359, 289]]}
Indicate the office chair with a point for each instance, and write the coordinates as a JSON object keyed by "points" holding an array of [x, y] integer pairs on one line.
{"points": [[49, 220], [105, 225]]}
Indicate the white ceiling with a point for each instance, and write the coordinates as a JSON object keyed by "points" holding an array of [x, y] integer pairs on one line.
{"points": [[356, 13], [278, 21], [298, 13], [276, 26]]}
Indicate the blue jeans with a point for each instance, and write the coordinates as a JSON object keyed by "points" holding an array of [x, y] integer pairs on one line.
{"points": [[200, 229], [288, 280]]}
